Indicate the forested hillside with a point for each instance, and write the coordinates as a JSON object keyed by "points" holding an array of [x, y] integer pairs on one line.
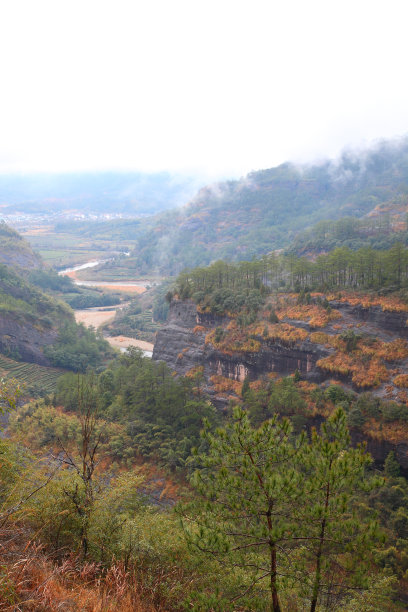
{"points": [[36, 326], [233, 477], [267, 209]]}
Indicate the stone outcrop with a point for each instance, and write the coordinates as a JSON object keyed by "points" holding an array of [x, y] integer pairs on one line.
{"points": [[181, 344], [393, 322], [24, 339]]}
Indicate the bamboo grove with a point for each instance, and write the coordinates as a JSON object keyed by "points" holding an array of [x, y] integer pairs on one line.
{"points": [[366, 268]]}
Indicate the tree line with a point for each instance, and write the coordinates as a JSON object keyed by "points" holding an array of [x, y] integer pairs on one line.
{"points": [[366, 268]]}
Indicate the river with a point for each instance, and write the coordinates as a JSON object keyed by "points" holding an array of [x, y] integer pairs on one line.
{"points": [[129, 286], [97, 317]]}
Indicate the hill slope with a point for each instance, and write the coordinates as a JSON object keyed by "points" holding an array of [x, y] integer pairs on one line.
{"points": [[264, 211], [15, 251]]}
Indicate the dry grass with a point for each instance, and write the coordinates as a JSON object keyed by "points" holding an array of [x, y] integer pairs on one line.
{"points": [[234, 340], [315, 315], [223, 384], [363, 375], [31, 580], [387, 303]]}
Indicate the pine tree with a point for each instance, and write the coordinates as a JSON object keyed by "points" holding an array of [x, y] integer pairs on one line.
{"points": [[391, 466], [280, 508], [337, 541], [249, 488]]}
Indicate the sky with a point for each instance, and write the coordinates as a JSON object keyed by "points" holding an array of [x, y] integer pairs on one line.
{"points": [[215, 88]]}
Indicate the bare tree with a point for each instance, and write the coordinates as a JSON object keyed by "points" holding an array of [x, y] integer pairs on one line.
{"points": [[85, 465]]}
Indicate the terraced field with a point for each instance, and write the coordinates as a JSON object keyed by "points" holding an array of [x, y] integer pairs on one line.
{"points": [[36, 378]]}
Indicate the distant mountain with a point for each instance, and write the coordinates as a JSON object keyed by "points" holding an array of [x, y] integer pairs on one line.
{"points": [[237, 220], [94, 192]]}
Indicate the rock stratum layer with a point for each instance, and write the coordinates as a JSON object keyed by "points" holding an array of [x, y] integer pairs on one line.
{"points": [[181, 343]]}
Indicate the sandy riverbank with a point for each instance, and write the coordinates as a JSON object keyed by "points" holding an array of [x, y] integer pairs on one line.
{"points": [[124, 342], [96, 318]]}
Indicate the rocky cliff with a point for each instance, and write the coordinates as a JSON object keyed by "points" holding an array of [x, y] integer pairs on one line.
{"points": [[21, 338], [186, 342], [181, 344]]}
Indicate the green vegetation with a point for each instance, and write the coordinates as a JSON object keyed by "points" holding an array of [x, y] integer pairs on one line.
{"points": [[377, 232], [77, 348], [264, 211], [92, 299], [161, 416], [48, 279], [322, 520], [36, 379], [14, 250], [223, 286], [280, 509], [23, 300], [135, 323], [144, 315]]}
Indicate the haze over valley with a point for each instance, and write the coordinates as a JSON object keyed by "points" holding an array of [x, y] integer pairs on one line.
{"points": [[203, 307]]}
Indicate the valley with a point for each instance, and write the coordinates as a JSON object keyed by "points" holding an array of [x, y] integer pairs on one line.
{"points": [[99, 317], [271, 317]]}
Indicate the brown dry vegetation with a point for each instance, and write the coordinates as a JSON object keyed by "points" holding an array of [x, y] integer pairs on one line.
{"points": [[387, 303], [315, 315], [222, 384], [33, 580]]}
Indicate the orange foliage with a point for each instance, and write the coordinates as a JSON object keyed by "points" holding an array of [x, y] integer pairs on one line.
{"points": [[234, 340], [223, 384], [390, 351], [403, 397], [394, 432], [315, 315], [401, 381], [34, 578], [196, 371], [307, 387], [202, 310], [373, 376], [279, 331], [256, 385], [387, 303], [198, 329], [363, 375], [329, 340], [319, 338]]}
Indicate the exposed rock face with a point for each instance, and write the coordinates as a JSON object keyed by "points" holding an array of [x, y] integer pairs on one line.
{"points": [[176, 343], [23, 339], [394, 322], [181, 344]]}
